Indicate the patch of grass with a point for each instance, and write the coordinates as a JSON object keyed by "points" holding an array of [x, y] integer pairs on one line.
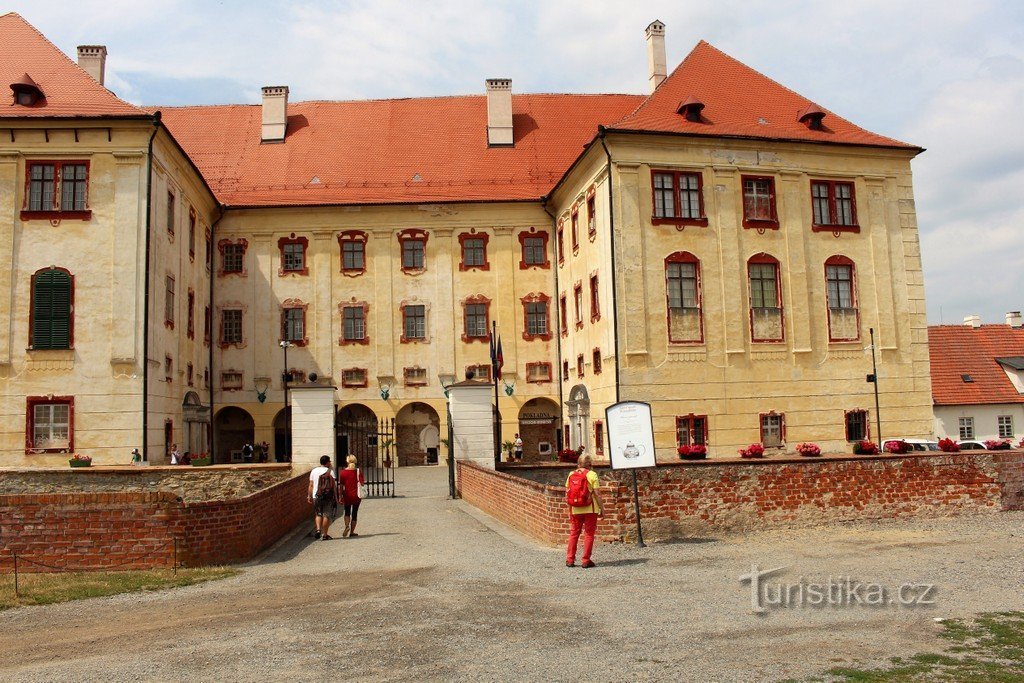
{"points": [[46, 589], [989, 649]]}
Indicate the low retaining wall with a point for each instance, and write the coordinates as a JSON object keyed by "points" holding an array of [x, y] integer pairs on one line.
{"points": [[697, 498], [144, 530]]}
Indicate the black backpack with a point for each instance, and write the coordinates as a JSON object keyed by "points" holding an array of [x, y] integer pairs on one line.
{"points": [[325, 487]]}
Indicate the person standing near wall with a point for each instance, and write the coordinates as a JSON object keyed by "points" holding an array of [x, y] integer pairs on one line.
{"points": [[584, 510], [350, 479], [174, 455], [518, 446]]}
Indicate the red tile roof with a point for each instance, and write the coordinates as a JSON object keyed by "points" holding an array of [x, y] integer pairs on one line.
{"points": [[738, 102], [69, 91], [957, 350], [391, 151]]}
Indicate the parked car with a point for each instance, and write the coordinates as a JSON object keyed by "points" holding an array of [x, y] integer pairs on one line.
{"points": [[916, 444], [970, 445]]}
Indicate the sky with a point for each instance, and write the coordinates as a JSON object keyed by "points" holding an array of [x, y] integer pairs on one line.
{"points": [[948, 76]]}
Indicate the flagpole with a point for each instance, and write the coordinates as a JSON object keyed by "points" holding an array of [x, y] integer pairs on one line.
{"points": [[494, 377]]}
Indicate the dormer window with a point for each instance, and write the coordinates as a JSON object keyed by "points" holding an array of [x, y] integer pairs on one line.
{"points": [[691, 108], [811, 116], [26, 92]]}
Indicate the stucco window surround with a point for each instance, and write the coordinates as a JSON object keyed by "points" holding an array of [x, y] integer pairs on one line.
{"points": [[759, 205], [207, 325], [189, 373], [691, 430], [415, 321], [767, 319], [172, 204], [476, 319], [169, 301], [560, 243], [232, 324], [355, 378], [191, 234], [574, 222], [592, 213], [352, 245], [49, 424], [473, 250], [684, 299], [577, 304], [858, 426], [190, 330], [841, 298], [833, 206], [414, 376], [595, 364], [533, 249], [565, 371], [56, 190], [208, 244], [354, 322], [481, 371], [231, 380], [294, 255], [232, 256], [293, 322], [536, 316], [51, 312], [413, 250], [598, 437], [579, 365], [538, 372], [595, 298], [677, 198], [563, 315], [772, 429], [168, 369]]}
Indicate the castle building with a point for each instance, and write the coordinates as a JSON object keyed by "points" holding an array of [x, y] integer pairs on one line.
{"points": [[718, 247]]}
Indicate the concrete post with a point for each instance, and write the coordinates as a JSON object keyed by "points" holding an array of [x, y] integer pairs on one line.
{"points": [[472, 427], [312, 424]]}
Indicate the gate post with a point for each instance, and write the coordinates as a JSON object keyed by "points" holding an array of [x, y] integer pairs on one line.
{"points": [[469, 404]]}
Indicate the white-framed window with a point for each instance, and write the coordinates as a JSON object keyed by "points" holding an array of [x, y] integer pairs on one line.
{"points": [[1005, 423], [966, 428]]}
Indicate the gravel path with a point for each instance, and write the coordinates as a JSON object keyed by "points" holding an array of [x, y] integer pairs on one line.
{"points": [[435, 590]]}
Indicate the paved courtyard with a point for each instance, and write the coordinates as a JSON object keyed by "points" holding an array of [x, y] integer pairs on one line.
{"points": [[434, 590]]}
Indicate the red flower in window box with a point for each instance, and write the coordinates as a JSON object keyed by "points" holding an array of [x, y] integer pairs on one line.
{"points": [[865, 448], [809, 450], [693, 452], [947, 445], [754, 450], [80, 460], [570, 455]]}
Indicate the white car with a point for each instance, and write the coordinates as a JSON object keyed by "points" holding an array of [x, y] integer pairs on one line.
{"points": [[915, 444], [971, 445]]}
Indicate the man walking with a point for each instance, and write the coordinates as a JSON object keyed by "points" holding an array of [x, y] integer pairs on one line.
{"points": [[323, 493], [584, 509], [518, 443]]}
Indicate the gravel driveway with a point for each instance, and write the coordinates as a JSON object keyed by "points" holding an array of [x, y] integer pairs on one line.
{"points": [[435, 590]]}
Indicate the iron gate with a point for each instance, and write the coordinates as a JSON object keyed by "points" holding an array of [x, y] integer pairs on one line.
{"points": [[373, 444]]}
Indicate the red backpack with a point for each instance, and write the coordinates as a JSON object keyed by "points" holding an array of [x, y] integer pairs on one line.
{"points": [[577, 493]]}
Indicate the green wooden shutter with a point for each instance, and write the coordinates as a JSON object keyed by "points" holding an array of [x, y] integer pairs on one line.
{"points": [[51, 310]]}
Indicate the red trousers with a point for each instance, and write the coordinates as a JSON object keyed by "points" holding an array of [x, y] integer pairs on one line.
{"points": [[581, 523]]}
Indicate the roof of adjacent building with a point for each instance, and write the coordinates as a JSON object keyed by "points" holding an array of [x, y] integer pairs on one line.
{"points": [[69, 92], [958, 350]]}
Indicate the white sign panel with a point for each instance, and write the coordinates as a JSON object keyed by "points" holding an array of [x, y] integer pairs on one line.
{"points": [[630, 435]]}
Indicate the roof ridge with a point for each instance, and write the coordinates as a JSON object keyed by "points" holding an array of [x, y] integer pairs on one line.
{"points": [[388, 99]]}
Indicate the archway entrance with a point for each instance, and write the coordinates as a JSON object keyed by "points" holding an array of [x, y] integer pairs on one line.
{"points": [[417, 434], [282, 435], [579, 417], [235, 428], [356, 430], [538, 428], [197, 424]]}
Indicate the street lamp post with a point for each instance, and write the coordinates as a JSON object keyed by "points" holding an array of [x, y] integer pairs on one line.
{"points": [[874, 380], [285, 344]]}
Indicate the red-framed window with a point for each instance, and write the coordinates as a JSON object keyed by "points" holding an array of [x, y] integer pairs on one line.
{"points": [[596, 361], [293, 254], [209, 251], [352, 245], [766, 314], [293, 322], [678, 198], [473, 246], [591, 214], [481, 371], [207, 324], [759, 210], [773, 429], [353, 378], [293, 376], [561, 242], [841, 291], [538, 373], [231, 327], [171, 204], [598, 437], [563, 315], [191, 234], [206, 378], [858, 426], [231, 380], [168, 369], [691, 430], [415, 377], [189, 372], [833, 206], [52, 310], [232, 256], [579, 365], [49, 424], [574, 224], [169, 302], [476, 314], [353, 323], [536, 317], [684, 298], [413, 245], [534, 250], [414, 323], [565, 371], [56, 189], [577, 302], [595, 299], [191, 325]]}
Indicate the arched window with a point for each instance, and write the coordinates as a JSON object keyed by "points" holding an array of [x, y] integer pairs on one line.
{"points": [[52, 301], [766, 319], [683, 292], [841, 288]]}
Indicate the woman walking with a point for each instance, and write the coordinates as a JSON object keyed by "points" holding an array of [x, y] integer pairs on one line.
{"points": [[350, 479]]}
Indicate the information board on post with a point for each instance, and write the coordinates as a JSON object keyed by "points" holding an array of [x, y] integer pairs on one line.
{"points": [[630, 435]]}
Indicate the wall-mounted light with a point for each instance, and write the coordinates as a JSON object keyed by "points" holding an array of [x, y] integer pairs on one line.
{"points": [[262, 384]]}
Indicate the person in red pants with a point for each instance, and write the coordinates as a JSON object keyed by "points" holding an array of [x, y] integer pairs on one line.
{"points": [[582, 518]]}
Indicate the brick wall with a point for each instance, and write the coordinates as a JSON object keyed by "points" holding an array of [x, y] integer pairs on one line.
{"points": [[689, 499], [139, 530]]}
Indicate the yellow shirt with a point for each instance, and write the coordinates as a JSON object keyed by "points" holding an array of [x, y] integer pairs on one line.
{"points": [[593, 482]]}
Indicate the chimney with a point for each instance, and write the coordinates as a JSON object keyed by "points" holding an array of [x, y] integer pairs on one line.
{"points": [[499, 112], [972, 321], [656, 53], [1013, 319], [93, 58], [275, 113]]}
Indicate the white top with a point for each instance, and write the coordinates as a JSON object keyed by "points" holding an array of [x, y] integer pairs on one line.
{"points": [[519, 444], [174, 457], [314, 477]]}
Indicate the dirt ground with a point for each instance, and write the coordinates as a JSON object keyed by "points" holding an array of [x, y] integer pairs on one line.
{"points": [[434, 590]]}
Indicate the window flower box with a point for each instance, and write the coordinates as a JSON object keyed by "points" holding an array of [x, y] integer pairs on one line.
{"points": [[80, 460], [692, 452], [754, 450], [809, 450]]}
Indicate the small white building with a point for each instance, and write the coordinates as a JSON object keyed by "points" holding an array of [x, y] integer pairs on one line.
{"points": [[978, 379]]}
